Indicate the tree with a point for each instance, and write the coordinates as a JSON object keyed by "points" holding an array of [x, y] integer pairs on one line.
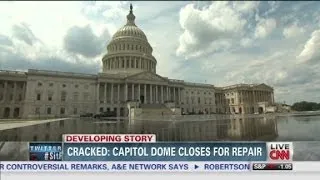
{"points": [[305, 106]]}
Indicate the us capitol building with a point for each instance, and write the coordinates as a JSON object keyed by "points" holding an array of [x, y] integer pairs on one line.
{"points": [[128, 75]]}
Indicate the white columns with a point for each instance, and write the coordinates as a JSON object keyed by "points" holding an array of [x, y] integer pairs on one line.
{"points": [[254, 96], [259, 96], [125, 92], [157, 101], [24, 91], [5, 91], [174, 95], [145, 93], [132, 90], [97, 97], [167, 93], [264, 96], [14, 91], [97, 92], [111, 97], [151, 97], [140, 62], [179, 95], [161, 94], [105, 92], [118, 93], [139, 92]]}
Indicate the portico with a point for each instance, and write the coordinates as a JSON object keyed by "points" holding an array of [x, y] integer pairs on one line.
{"points": [[12, 93], [145, 87]]}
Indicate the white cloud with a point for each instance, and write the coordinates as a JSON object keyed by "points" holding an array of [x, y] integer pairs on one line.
{"points": [[311, 48], [209, 28], [109, 10], [265, 27], [245, 6], [293, 31], [274, 5], [47, 20], [246, 42]]}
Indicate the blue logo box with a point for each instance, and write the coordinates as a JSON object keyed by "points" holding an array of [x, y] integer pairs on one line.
{"points": [[45, 151]]}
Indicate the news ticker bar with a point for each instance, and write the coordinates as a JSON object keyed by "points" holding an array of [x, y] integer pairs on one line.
{"points": [[158, 167]]}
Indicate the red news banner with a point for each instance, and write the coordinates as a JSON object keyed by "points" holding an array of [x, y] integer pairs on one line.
{"points": [[109, 138]]}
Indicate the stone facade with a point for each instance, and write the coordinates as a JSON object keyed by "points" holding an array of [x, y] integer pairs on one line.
{"points": [[128, 74]]}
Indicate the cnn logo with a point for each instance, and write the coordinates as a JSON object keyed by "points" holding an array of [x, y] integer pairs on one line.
{"points": [[280, 151]]}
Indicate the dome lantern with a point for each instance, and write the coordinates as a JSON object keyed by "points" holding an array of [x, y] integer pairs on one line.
{"points": [[130, 17]]}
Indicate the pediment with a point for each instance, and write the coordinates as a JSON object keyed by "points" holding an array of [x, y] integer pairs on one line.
{"points": [[147, 76], [264, 86]]}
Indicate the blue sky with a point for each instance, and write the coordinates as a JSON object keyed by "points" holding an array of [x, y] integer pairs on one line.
{"points": [[222, 43]]}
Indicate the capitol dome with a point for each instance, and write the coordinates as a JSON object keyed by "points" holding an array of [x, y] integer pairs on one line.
{"points": [[129, 50], [130, 31]]}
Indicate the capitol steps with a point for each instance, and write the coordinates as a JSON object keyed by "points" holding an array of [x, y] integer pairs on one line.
{"points": [[159, 110], [153, 112]]}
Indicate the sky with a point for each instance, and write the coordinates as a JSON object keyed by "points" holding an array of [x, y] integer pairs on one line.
{"points": [[221, 43]]}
